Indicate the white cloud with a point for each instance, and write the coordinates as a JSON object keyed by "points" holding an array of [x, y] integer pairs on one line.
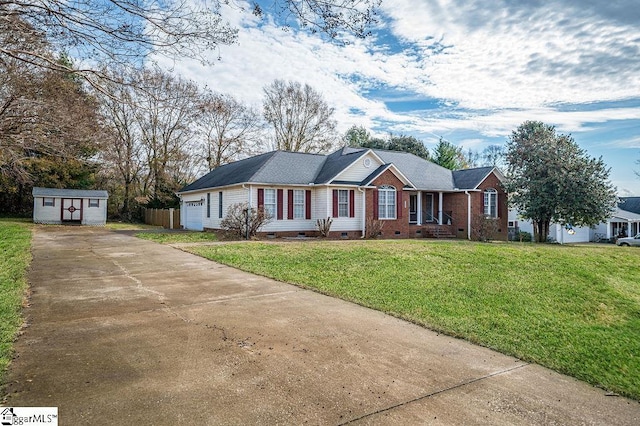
{"points": [[492, 65], [525, 57]]}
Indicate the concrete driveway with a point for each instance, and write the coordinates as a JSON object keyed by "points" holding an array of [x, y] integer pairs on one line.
{"points": [[127, 331]]}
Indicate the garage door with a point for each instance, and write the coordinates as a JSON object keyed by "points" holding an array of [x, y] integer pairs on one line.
{"points": [[193, 215]]}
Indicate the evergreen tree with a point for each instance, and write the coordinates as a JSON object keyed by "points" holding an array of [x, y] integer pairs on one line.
{"points": [[551, 179]]}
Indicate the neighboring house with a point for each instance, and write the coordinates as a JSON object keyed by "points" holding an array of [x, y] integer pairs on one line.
{"points": [[56, 206], [413, 197], [625, 221]]}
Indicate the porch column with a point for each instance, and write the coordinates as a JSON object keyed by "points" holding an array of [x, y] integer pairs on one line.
{"points": [[439, 208], [608, 229], [419, 218], [629, 234]]}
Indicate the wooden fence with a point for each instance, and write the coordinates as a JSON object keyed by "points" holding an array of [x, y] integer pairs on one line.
{"points": [[167, 218]]}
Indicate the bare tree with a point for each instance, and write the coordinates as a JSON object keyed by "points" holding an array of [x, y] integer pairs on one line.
{"points": [[301, 120], [166, 112], [123, 151], [229, 129], [130, 31], [114, 31], [42, 112], [494, 155], [50, 132], [329, 17]]}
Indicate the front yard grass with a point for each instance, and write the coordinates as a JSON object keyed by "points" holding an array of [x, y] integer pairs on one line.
{"points": [[575, 309], [178, 237], [15, 256]]}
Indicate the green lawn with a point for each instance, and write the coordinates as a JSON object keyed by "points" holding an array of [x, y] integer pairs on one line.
{"points": [[575, 309], [15, 255], [129, 226], [178, 237]]}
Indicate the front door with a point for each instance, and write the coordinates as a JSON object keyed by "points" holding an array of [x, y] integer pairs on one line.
{"points": [[71, 209], [427, 212], [413, 208]]}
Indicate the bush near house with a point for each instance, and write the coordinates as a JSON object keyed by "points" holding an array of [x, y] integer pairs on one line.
{"points": [[575, 309]]}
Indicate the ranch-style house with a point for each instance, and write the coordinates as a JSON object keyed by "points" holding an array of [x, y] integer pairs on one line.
{"points": [[414, 197]]}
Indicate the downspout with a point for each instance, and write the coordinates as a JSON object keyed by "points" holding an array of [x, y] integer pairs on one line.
{"points": [[364, 211], [468, 215]]}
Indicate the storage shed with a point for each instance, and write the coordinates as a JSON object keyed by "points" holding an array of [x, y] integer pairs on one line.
{"points": [[57, 206]]}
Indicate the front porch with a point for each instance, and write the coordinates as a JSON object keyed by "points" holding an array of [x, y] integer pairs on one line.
{"points": [[427, 213]]}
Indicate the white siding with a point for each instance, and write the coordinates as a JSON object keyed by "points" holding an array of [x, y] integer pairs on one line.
{"points": [[230, 196], [341, 223], [321, 207], [46, 214], [321, 203], [562, 236], [196, 196], [94, 216], [556, 231], [357, 171], [289, 225]]}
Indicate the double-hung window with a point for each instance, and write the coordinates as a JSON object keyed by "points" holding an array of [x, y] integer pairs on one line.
{"points": [[298, 204], [491, 202], [386, 202], [343, 203], [270, 202]]}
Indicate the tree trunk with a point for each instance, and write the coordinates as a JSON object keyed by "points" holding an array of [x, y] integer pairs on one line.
{"points": [[541, 230]]}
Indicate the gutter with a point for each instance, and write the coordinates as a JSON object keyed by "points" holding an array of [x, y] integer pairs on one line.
{"points": [[364, 211], [468, 215]]}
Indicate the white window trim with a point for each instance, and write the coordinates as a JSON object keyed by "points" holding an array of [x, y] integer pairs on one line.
{"points": [[383, 207], [270, 208], [490, 202], [343, 203], [299, 206]]}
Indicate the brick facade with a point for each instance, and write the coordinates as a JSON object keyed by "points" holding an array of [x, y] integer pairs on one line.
{"points": [[456, 203], [453, 203]]}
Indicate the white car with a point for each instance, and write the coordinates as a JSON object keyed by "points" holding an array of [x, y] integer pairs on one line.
{"points": [[629, 241]]}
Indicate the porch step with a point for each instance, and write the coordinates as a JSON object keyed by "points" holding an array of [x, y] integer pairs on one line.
{"points": [[438, 232]]}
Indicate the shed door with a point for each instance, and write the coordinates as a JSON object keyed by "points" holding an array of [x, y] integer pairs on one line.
{"points": [[193, 215], [71, 209]]}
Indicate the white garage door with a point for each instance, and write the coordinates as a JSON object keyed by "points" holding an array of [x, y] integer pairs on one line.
{"points": [[193, 215]]}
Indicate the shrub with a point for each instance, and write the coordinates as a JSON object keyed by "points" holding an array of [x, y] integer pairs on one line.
{"points": [[373, 227], [242, 221], [324, 225], [524, 237], [484, 228]]}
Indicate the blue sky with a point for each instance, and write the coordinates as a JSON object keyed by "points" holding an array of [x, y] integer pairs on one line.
{"points": [[469, 71]]}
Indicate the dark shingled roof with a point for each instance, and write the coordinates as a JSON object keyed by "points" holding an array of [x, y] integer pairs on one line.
{"points": [[337, 162], [470, 178], [422, 173], [275, 167], [296, 168], [630, 204], [71, 193]]}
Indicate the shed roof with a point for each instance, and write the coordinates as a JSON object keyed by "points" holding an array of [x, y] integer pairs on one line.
{"points": [[69, 193]]}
